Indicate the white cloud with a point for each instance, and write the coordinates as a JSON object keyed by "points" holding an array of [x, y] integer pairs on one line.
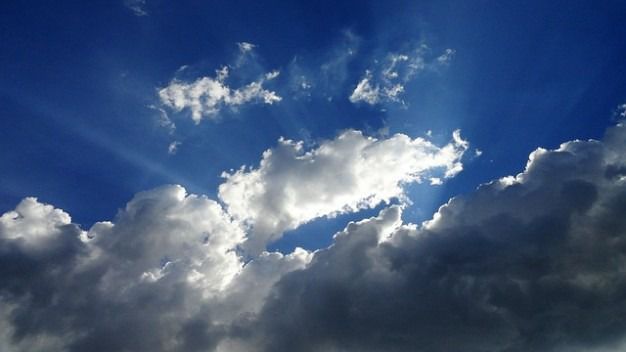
{"points": [[172, 148], [206, 96], [34, 225], [201, 250], [365, 92], [386, 81], [245, 47], [293, 186]]}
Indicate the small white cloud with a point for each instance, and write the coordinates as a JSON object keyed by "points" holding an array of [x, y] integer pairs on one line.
{"points": [[245, 47], [436, 181], [173, 147], [138, 7], [206, 96], [272, 75], [365, 92]]}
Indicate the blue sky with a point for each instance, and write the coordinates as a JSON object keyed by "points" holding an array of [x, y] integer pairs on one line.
{"points": [[77, 80], [88, 94]]}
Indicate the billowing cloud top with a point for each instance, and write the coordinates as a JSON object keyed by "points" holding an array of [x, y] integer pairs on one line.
{"points": [[533, 262]]}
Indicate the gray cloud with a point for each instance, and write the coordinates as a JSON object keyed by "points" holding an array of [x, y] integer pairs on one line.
{"points": [[157, 278]]}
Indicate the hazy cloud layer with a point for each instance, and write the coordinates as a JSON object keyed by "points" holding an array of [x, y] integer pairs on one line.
{"points": [[533, 262], [292, 186]]}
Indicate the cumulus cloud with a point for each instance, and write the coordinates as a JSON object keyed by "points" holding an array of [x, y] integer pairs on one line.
{"points": [[386, 81], [532, 262], [206, 96], [156, 278], [292, 186]]}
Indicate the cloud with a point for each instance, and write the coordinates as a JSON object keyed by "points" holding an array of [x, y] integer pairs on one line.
{"points": [[292, 186], [158, 277], [621, 112], [386, 81], [206, 96], [138, 7], [245, 47], [533, 262], [172, 148]]}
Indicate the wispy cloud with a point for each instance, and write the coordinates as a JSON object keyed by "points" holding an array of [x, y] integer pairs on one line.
{"points": [[138, 7], [385, 82]]}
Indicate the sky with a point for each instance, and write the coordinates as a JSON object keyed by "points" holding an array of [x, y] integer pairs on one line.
{"points": [[312, 176]]}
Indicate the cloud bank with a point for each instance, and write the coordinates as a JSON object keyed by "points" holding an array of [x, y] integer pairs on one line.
{"points": [[532, 262]]}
